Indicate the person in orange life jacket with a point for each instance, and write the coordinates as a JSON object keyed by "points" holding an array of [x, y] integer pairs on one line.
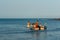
{"points": [[37, 24]]}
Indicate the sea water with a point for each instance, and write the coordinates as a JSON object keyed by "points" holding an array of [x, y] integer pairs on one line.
{"points": [[16, 29]]}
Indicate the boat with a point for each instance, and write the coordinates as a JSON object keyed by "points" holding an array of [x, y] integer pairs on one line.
{"points": [[42, 28], [35, 26]]}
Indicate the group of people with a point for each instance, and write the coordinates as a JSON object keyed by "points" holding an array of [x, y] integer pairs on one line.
{"points": [[35, 26]]}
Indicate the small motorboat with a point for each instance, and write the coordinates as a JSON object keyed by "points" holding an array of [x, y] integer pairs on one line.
{"points": [[37, 29], [35, 26]]}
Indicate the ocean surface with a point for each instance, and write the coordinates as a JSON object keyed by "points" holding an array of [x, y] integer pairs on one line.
{"points": [[15, 29]]}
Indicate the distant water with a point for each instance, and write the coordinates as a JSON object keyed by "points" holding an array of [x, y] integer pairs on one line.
{"points": [[15, 29]]}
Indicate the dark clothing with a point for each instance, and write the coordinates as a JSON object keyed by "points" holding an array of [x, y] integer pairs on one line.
{"points": [[39, 27]]}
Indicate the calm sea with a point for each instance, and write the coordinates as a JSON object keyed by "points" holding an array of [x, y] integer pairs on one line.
{"points": [[15, 29]]}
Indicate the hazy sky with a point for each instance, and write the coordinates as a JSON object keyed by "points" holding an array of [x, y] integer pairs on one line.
{"points": [[29, 8]]}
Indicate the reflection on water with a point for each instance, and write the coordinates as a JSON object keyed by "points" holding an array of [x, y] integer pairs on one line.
{"points": [[39, 35]]}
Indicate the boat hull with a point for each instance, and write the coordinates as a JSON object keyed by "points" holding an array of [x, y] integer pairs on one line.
{"points": [[37, 29]]}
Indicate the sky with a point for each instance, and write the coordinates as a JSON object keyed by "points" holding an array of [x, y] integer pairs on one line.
{"points": [[29, 8]]}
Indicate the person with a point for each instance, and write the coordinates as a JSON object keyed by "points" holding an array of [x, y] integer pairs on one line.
{"points": [[41, 27], [33, 26], [28, 24], [37, 23], [37, 27]]}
